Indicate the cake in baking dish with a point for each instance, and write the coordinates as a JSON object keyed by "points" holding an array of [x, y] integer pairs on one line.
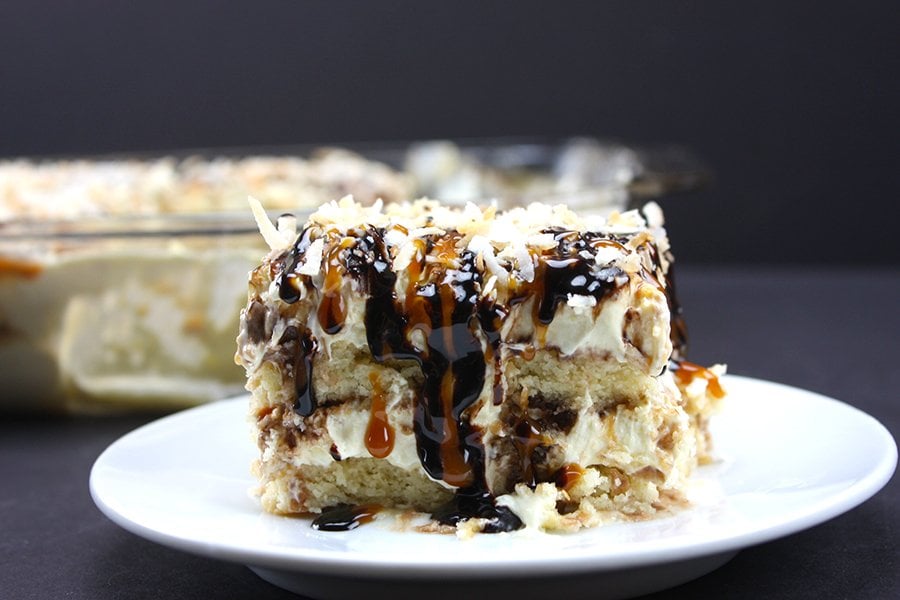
{"points": [[492, 369]]}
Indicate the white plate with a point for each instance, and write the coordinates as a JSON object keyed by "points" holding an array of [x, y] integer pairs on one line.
{"points": [[790, 459]]}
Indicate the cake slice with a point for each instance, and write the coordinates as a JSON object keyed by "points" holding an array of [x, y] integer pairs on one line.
{"points": [[494, 370]]}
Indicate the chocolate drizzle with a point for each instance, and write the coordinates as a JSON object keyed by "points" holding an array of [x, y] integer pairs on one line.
{"points": [[290, 282], [678, 331], [575, 276], [345, 518], [384, 323], [572, 270], [301, 347], [477, 503], [527, 438], [491, 316], [678, 327], [255, 318], [442, 309], [297, 343], [653, 273]]}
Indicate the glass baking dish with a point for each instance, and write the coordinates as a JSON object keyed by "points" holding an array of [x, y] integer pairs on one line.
{"points": [[119, 308]]}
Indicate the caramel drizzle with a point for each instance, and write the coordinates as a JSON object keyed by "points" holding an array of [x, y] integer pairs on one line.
{"points": [[332, 310], [379, 438], [441, 305], [568, 475], [685, 372]]}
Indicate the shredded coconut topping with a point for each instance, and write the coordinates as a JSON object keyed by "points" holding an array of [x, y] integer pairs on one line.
{"points": [[69, 189], [506, 244]]}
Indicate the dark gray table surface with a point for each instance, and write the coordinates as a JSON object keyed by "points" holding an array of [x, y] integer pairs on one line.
{"points": [[833, 330]]}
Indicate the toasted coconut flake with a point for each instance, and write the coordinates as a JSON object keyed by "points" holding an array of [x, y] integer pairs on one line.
{"points": [[313, 256], [275, 239]]}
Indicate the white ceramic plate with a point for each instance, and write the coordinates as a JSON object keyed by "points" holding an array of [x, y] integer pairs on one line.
{"points": [[790, 459]]}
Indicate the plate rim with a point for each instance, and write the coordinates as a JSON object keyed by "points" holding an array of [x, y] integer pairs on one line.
{"points": [[309, 560]]}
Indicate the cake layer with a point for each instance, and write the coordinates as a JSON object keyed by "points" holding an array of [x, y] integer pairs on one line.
{"points": [[467, 352]]}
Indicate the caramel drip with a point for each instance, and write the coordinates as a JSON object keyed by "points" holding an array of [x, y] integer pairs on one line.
{"points": [[528, 352], [414, 270], [685, 372], [568, 475], [345, 518], [608, 243], [332, 310], [379, 433], [444, 250]]}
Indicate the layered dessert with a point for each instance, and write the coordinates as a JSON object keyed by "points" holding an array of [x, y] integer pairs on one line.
{"points": [[75, 189], [493, 370], [121, 280]]}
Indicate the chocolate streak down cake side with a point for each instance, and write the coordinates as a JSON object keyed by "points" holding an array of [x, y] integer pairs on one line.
{"points": [[495, 370]]}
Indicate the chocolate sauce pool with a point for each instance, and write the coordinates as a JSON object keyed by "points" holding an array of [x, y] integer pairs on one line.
{"points": [[345, 517]]}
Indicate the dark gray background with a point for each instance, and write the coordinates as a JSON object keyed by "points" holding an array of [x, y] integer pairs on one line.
{"points": [[793, 104]]}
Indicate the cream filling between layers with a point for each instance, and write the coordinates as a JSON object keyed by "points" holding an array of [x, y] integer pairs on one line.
{"points": [[629, 441], [629, 445], [631, 325]]}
